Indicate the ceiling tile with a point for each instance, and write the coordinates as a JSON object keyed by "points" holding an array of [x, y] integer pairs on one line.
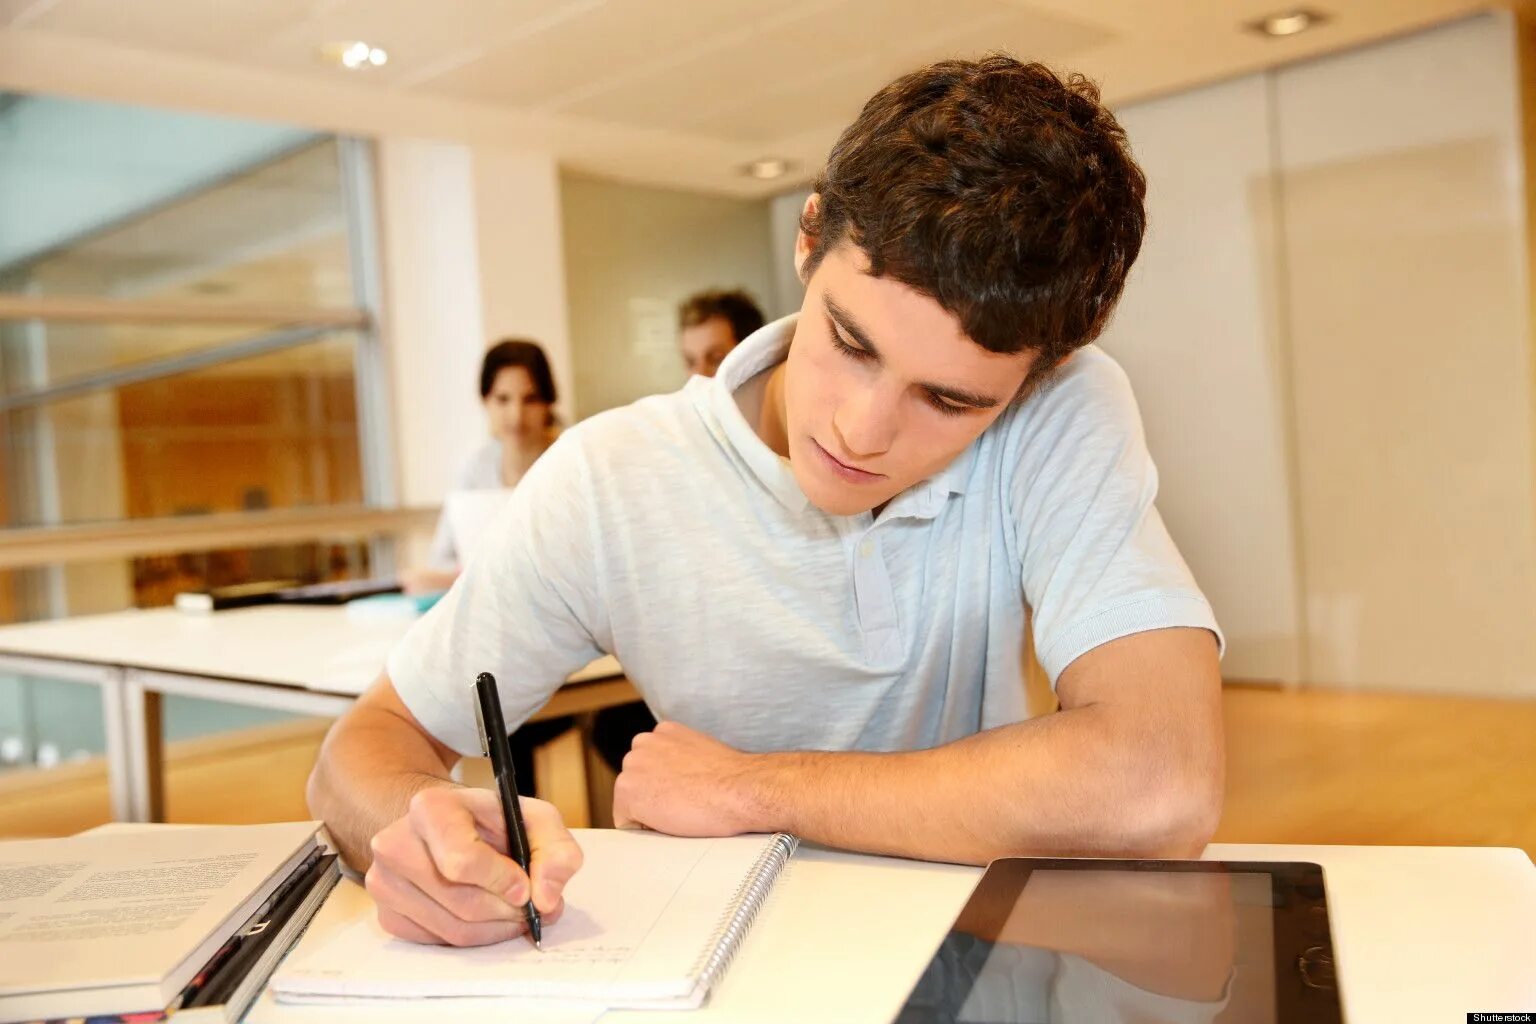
{"points": [[416, 34], [602, 41], [781, 81], [208, 28]]}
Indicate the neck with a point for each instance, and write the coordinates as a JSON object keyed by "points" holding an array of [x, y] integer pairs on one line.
{"points": [[762, 404]]}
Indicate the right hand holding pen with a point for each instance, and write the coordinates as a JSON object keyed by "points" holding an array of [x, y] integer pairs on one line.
{"points": [[440, 874]]}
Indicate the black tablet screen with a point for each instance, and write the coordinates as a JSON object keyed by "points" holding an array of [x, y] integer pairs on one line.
{"points": [[1135, 941]]}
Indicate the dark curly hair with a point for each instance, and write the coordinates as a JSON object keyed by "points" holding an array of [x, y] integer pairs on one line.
{"points": [[1006, 193]]}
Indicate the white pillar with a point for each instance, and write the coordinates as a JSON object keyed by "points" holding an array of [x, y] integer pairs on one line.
{"points": [[522, 262], [471, 253], [433, 325]]}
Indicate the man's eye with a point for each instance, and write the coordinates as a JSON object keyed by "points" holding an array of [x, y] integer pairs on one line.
{"points": [[945, 406], [847, 349]]}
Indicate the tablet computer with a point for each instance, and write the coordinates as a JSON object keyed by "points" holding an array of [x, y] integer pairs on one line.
{"points": [[1062, 940]]}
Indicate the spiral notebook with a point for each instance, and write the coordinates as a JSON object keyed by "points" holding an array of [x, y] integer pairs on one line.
{"points": [[650, 921]]}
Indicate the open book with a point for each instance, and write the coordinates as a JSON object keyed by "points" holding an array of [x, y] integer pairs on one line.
{"points": [[651, 921], [122, 921]]}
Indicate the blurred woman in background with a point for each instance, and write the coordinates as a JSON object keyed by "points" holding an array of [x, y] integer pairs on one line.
{"points": [[518, 392]]}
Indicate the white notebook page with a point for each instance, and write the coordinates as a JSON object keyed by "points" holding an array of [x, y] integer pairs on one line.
{"points": [[638, 918]]}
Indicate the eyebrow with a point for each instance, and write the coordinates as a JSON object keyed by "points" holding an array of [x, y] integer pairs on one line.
{"points": [[849, 323]]}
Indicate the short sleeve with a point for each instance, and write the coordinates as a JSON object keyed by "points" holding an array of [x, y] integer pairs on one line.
{"points": [[527, 609], [1097, 562]]}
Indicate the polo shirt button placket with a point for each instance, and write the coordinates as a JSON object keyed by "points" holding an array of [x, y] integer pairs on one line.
{"points": [[875, 600]]}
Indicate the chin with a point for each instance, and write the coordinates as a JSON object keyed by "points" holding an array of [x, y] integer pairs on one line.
{"points": [[838, 500]]}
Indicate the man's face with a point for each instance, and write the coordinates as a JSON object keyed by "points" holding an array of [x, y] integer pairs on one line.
{"points": [[705, 345], [882, 388]]}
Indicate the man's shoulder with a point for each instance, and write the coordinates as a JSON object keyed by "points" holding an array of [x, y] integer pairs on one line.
{"points": [[643, 436], [671, 415], [1090, 394], [1091, 378]]}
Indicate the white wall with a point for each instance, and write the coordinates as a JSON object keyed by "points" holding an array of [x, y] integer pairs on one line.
{"points": [[1405, 244], [783, 227], [632, 254], [1328, 333], [1198, 333]]}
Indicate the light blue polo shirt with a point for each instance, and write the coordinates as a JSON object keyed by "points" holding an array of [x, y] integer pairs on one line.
{"points": [[667, 534]]}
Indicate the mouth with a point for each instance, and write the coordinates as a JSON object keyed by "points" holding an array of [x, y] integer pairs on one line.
{"points": [[852, 474]]}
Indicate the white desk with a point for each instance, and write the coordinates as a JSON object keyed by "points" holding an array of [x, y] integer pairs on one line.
{"points": [[1420, 934], [308, 659]]}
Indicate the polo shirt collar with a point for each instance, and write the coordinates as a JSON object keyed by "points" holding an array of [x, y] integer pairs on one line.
{"points": [[761, 350]]}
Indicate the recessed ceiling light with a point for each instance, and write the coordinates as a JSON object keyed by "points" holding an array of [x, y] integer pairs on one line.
{"points": [[353, 54], [1288, 23], [766, 169]]}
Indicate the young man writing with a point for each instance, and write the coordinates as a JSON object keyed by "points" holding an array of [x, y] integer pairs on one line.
{"points": [[818, 566]]}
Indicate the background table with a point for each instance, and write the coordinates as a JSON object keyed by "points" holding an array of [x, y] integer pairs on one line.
{"points": [[306, 659], [1420, 934]]}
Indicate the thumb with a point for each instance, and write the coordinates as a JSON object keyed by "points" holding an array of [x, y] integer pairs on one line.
{"points": [[556, 856]]}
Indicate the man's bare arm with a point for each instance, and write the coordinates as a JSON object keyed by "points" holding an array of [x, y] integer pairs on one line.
{"points": [[1133, 764], [373, 761]]}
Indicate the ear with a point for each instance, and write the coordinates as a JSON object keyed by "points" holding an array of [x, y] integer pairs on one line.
{"points": [[804, 243]]}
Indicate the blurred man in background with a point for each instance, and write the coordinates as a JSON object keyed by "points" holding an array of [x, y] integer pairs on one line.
{"points": [[711, 324]]}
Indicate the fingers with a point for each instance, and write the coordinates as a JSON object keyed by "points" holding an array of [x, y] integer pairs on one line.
{"points": [[556, 857], [408, 912], [623, 803], [621, 818], [410, 877], [400, 852], [404, 928], [554, 854], [439, 876], [450, 822]]}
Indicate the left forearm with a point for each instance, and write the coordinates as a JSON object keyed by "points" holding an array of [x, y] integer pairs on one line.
{"points": [[1065, 784], [1131, 766]]}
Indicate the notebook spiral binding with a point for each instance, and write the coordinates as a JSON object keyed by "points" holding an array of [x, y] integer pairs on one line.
{"points": [[744, 906]]}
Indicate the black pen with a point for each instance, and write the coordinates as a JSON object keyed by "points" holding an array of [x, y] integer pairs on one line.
{"points": [[493, 739]]}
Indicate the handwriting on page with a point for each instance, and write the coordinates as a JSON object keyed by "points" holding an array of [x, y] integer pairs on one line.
{"points": [[589, 954], [628, 909]]}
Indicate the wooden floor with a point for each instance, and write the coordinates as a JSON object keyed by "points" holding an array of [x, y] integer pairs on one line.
{"points": [[1303, 767], [1374, 769]]}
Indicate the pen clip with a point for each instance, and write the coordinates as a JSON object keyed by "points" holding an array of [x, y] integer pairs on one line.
{"points": [[485, 737]]}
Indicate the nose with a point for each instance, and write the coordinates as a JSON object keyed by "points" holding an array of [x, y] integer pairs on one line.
{"points": [[865, 423]]}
